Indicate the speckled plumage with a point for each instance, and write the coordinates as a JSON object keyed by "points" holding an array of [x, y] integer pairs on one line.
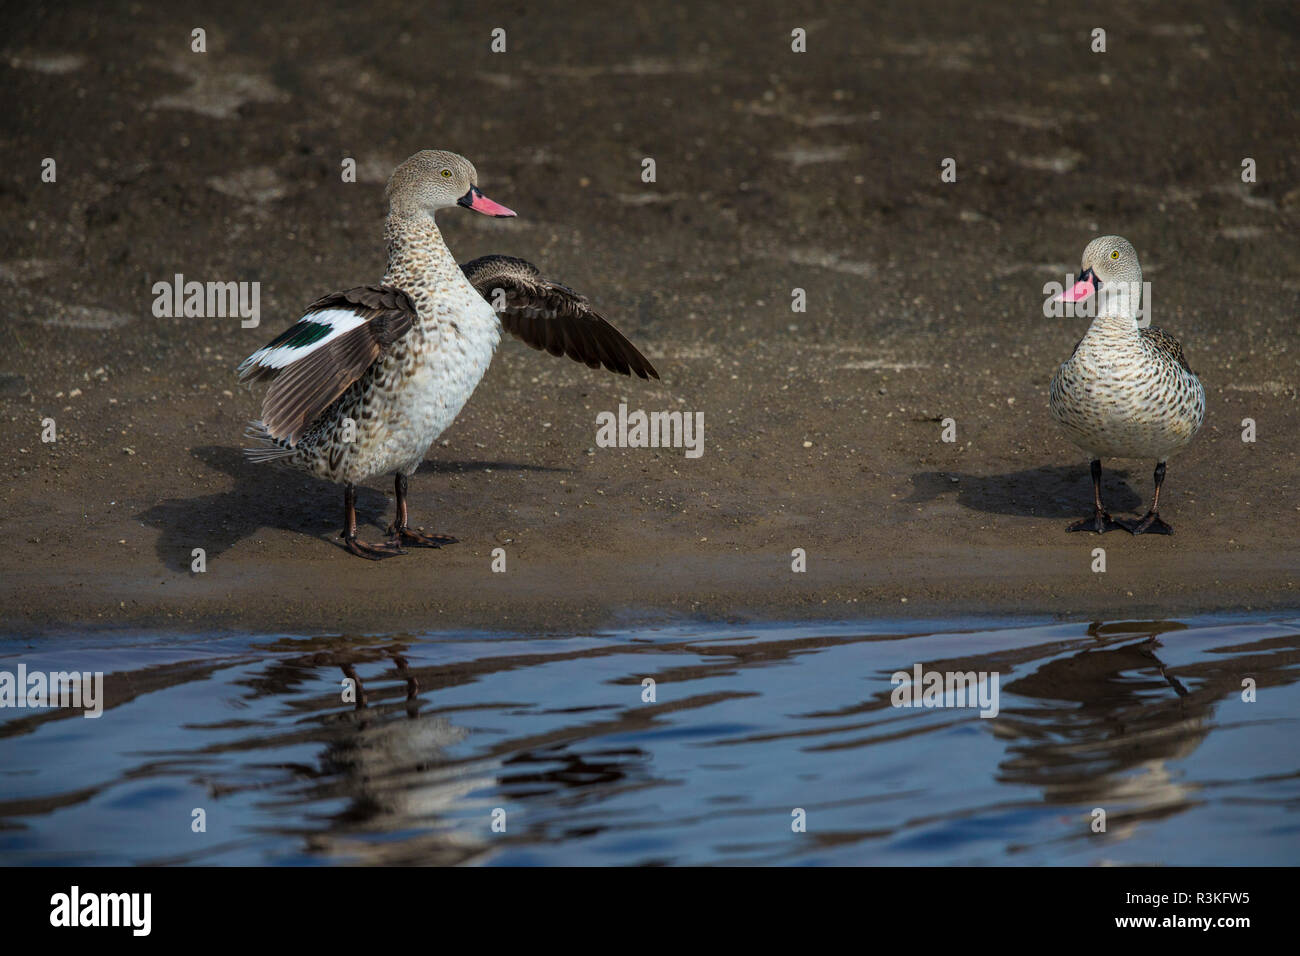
{"points": [[1127, 392], [411, 394]]}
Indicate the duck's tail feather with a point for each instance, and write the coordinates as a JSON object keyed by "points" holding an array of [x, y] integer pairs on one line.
{"points": [[267, 448]]}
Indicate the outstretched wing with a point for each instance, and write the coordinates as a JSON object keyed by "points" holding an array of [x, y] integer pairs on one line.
{"points": [[1166, 343], [550, 316], [313, 362]]}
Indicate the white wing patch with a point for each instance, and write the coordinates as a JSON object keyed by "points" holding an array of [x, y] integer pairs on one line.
{"points": [[310, 333]]}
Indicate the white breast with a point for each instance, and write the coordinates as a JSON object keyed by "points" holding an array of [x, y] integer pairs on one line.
{"points": [[454, 353], [448, 353]]}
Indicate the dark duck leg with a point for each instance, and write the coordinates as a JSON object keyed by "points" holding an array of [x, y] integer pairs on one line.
{"points": [[372, 552], [1101, 521], [402, 534], [1150, 523]]}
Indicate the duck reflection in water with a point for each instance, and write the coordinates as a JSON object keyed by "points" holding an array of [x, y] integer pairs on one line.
{"points": [[390, 762], [1109, 722]]}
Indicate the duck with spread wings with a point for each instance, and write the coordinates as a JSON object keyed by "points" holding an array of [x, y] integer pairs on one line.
{"points": [[369, 378]]}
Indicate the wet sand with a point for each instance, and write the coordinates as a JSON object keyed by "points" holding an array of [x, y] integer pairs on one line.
{"points": [[775, 171]]}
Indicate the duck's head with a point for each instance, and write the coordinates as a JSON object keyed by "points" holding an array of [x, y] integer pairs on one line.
{"points": [[435, 179], [1109, 262]]}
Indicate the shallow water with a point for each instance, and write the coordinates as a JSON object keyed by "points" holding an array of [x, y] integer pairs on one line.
{"points": [[749, 725]]}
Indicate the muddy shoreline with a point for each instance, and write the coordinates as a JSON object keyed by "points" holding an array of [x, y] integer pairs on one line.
{"points": [[776, 172]]}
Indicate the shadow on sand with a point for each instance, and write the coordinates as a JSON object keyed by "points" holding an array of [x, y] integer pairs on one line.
{"points": [[1056, 491], [274, 497]]}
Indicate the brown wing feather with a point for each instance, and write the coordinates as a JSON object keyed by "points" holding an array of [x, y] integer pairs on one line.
{"points": [[300, 391], [552, 317], [1166, 343], [367, 301]]}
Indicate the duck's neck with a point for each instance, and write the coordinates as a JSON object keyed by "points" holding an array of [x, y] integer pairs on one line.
{"points": [[1120, 300], [1111, 328], [416, 252]]}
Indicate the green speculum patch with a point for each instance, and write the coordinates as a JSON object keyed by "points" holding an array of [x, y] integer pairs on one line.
{"points": [[302, 334]]}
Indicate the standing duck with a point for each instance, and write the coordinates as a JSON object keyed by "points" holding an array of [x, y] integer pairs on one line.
{"points": [[1125, 392], [368, 378]]}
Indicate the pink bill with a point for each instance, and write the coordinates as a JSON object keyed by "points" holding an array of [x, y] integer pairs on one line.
{"points": [[1082, 289], [488, 207]]}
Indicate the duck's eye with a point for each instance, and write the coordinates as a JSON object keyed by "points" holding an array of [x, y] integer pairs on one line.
{"points": [[1114, 253], [446, 174]]}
